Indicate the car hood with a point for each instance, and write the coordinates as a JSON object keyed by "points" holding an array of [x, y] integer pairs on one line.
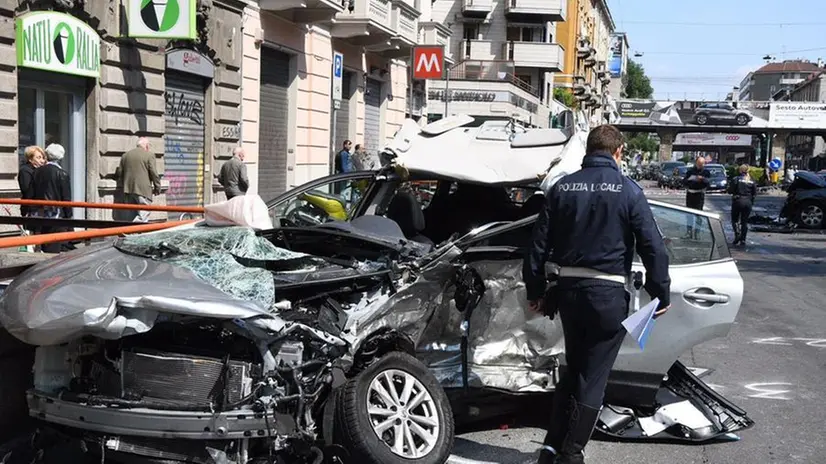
{"points": [[121, 288]]}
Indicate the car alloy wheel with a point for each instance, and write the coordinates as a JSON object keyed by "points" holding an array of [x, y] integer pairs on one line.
{"points": [[403, 413], [702, 119], [742, 119], [811, 216]]}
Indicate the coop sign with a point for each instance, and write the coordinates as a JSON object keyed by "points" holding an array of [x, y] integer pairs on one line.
{"points": [[57, 42]]}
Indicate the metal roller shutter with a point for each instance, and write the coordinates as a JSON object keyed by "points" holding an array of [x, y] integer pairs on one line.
{"points": [[184, 140], [273, 127], [372, 115], [343, 113]]}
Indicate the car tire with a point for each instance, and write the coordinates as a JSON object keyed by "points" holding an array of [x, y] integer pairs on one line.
{"points": [[701, 119], [431, 431], [742, 119], [810, 215]]}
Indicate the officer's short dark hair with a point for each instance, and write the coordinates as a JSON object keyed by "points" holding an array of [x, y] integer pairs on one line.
{"points": [[604, 138]]}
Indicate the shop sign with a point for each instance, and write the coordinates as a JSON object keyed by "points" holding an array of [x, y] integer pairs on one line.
{"points": [[161, 19], [190, 61], [716, 140], [57, 42], [795, 115], [467, 96]]}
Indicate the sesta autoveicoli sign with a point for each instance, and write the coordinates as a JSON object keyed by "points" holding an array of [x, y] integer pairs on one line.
{"points": [[798, 115]]}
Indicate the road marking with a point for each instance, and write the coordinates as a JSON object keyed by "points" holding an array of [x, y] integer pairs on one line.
{"points": [[771, 341], [813, 342], [453, 459], [766, 392]]}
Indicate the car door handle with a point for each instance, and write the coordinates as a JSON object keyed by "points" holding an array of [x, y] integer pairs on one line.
{"points": [[705, 297]]}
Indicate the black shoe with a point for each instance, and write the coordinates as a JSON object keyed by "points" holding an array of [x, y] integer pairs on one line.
{"points": [[583, 420], [546, 457]]}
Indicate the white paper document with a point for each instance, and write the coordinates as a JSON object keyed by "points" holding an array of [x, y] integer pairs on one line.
{"points": [[640, 323]]}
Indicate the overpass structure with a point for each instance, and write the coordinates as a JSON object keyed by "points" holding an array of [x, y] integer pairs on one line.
{"points": [[774, 120]]}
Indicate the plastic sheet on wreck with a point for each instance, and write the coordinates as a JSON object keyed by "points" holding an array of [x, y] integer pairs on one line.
{"points": [[213, 254]]}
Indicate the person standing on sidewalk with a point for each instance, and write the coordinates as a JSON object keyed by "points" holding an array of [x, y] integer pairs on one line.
{"points": [[591, 223], [139, 178], [233, 175], [743, 191], [696, 182], [51, 183], [35, 157]]}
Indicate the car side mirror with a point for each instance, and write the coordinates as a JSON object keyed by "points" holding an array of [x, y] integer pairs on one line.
{"points": [[470, 287]]}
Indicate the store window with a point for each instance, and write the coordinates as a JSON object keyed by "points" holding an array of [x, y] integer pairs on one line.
{"points": [[49, 113]]}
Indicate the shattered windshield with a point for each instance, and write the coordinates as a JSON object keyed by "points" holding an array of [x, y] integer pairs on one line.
{"points": [[224, 257]]}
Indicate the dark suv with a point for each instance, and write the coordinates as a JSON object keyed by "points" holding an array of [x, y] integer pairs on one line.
{"points": [[721, 113]]}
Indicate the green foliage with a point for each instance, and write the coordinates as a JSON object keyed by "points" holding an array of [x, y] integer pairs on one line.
{"points": [[641, 141], [565, 96], [637, 84]]}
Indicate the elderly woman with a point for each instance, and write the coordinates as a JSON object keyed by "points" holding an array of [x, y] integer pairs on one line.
{"points": [[51, 182], [35, 157]]}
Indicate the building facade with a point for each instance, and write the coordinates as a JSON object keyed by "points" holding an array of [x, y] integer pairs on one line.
{"points": [[95, 91], [292, 127], [775, 79], [587, 36], [505, 54], [806, 151]]}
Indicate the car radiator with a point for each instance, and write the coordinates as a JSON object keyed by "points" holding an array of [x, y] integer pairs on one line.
{"points": [[181, 379]]}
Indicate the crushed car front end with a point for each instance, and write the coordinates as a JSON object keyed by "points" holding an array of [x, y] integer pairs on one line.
{"points": [[174, 347]]}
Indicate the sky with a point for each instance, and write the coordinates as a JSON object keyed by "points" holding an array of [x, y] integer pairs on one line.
{"points": [[701, 49]]}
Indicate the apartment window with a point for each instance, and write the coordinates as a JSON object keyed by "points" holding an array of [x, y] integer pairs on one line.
{"points": [[471, 32], [524, 34]]}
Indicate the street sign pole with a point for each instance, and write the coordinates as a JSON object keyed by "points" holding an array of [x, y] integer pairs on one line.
{"points": [[410, 85], [338, 73]]}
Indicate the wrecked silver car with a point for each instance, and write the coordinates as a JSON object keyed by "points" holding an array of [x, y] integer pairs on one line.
{"points": [[360, 327]]}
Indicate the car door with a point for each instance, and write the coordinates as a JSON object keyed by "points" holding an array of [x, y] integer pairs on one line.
{"points": [[321, 200], [510, 348]]}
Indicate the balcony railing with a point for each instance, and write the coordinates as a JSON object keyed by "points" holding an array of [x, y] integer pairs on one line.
{"points": [[536, 10], [484, 50], [490, 70], [405, 21], [477, 8], [379, 11], [535, 55], [433, 33]]}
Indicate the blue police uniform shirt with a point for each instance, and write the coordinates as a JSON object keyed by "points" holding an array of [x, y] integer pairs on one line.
{"points": [[595, 218]]}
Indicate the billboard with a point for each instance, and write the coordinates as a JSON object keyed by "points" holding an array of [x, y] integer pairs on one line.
{"points": [[798, 115], [713, 140], [694, 113], [616, 63]]}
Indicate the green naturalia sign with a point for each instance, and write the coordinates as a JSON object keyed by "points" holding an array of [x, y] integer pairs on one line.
{"points": [[161, 19], [57, 42]]}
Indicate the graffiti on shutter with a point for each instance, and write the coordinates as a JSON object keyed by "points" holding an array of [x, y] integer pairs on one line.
{"points": [[184, 139]]}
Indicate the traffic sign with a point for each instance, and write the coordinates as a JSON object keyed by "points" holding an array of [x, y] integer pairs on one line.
{"points": [[428, 62], [775, 164], [338, 72]]}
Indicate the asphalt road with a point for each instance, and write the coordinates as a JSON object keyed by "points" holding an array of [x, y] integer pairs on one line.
{"points": [[772, 364]]}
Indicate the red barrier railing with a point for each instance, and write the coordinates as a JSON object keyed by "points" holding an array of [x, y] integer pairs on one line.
{"points": [[42, 239], [82, 204]]}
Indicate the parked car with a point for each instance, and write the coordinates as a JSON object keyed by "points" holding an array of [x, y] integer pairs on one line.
{"points": [[365, 336], [721, 113], [806, 200], [719, 178]]}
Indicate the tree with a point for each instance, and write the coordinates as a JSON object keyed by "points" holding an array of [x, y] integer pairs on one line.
{"points": [[636, 83], [565, 96]]}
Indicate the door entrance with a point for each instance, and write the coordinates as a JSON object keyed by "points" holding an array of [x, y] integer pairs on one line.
{"points": [[55, 114]]}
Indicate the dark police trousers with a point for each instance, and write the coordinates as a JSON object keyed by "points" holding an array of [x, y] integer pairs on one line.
{"points": [[740, 212], [592, 312], [694, 200]]}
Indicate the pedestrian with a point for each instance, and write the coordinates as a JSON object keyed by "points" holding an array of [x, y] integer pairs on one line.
{"points": [[344, 162], [364, 161], [35, 157], [591, 223], [696, 181], [139, 178], [743, 191], [233, 175], [52, 183]]}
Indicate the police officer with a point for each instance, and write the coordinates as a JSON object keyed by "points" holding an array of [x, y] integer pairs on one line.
{"points": [[696, 182], [743, 190], [591, 223]]}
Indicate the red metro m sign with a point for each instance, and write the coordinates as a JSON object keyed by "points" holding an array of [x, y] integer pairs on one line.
{"points": [[428, 62]]}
